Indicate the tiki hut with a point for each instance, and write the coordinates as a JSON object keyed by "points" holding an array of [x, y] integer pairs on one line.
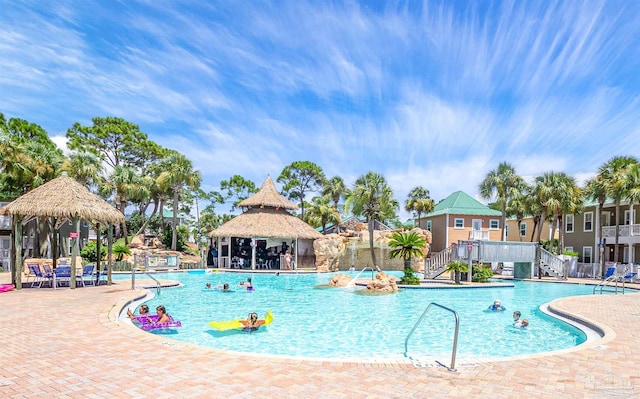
{"points": [[259, 237], [61, 199]]}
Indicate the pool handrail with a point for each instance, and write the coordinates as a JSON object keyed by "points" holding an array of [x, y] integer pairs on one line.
{"points": [[455, 335], [133, 279], [351, 283]]}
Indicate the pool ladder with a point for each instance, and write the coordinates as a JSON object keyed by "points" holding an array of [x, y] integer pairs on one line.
{"points": [[133, 280], [455, 335]]}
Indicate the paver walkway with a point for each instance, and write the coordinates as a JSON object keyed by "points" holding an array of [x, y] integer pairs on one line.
{"points": [[65, 344]]}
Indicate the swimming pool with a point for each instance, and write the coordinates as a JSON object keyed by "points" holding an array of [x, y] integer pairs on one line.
{"points": [[340, 323]]}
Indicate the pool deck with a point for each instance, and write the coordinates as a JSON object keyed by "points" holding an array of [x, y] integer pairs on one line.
{"points": [[66, 344]]}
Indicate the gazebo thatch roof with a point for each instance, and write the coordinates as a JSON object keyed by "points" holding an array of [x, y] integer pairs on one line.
{"points": [[266, 223], [268, 197], [63, 198]]}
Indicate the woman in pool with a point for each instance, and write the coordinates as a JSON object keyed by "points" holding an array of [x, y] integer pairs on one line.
{"points": [[252, 323], [144, 310], [163, 317], [248, 285]]}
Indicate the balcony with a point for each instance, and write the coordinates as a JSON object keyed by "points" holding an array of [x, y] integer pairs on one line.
{"points": [[628, 234], [476, 235]]}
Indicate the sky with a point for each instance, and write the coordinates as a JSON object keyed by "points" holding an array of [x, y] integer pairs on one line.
{"points": [[433, 93]]}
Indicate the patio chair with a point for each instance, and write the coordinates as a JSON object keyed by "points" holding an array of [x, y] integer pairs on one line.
{"points": [[87, 273], [39, 277], [628, 277], [63, 274], [611, 271], [103, 275]]}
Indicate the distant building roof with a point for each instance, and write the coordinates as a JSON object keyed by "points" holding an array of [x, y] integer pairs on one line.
{"points": [[168, 213], [461, 203]]}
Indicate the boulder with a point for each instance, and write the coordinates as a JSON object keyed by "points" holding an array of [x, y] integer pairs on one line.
{"points": [[383, 283], [340, 280], [328, 251]]}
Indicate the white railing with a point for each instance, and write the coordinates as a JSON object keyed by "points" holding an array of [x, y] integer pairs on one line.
{"points": [[475, 235], [626, 230], [552, 263], [436, 262]]}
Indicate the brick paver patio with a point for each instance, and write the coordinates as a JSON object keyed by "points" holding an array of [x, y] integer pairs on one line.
{"points": [[66, 344]]}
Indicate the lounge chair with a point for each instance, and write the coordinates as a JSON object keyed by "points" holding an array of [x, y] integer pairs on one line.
{"points": [[627, 277], [611, 271], [87, 275], [63, 274], [39, 276]]}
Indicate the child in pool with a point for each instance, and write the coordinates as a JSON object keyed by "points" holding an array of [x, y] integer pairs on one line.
{"points": [[516, 319]]}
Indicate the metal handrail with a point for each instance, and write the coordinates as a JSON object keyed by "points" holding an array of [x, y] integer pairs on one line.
{"points": [[351, 283], [133, 280], [455, 335]]}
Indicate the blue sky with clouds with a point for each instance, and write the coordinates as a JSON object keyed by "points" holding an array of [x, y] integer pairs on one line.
{"points": [[432, 93]]}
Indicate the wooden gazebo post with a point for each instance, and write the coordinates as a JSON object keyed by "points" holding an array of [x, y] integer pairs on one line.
{"points": [[109, 252], [75, 249], [16, 271]]}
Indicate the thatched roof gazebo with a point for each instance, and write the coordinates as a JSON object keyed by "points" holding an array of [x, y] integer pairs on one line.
{"points": [[62, 199], [268, 219]]}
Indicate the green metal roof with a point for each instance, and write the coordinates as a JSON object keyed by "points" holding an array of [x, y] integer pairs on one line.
{"points": [[461, 203], [168, 213]]}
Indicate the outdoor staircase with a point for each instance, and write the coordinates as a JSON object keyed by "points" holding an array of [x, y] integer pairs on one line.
{"points": [[551, 264], [436, 264]]}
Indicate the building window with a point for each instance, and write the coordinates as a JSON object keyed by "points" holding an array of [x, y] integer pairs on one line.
{"points": [[429, 225], [568, 224], [628, 217], [494, 224], [606, 219], [458, 223], [523, 229], [588, 221], [587, 253]]}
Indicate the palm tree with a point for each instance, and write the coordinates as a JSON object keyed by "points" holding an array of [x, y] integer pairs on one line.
{"points": [[335, 189], [128, 186], [517, 206], [596, 189], [572, 202], [419, 201], [548, 193], [372, 198], [84, 167], [615, 177], [407, 246], [457, 267], [179, 177], [501, 182], [321, 212]]}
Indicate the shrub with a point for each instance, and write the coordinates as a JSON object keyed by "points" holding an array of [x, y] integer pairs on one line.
{"points": [[89, 252], [481, 273], [409, 277], [120, 250]]}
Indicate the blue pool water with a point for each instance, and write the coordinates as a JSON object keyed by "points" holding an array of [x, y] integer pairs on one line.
{"points": [[340, 323]]}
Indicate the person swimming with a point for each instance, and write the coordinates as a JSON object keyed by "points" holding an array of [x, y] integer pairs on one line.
{"points": [[497, 306]]}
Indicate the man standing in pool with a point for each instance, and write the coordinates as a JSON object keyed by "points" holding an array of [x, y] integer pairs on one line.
{"points": [[497, 306]]}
